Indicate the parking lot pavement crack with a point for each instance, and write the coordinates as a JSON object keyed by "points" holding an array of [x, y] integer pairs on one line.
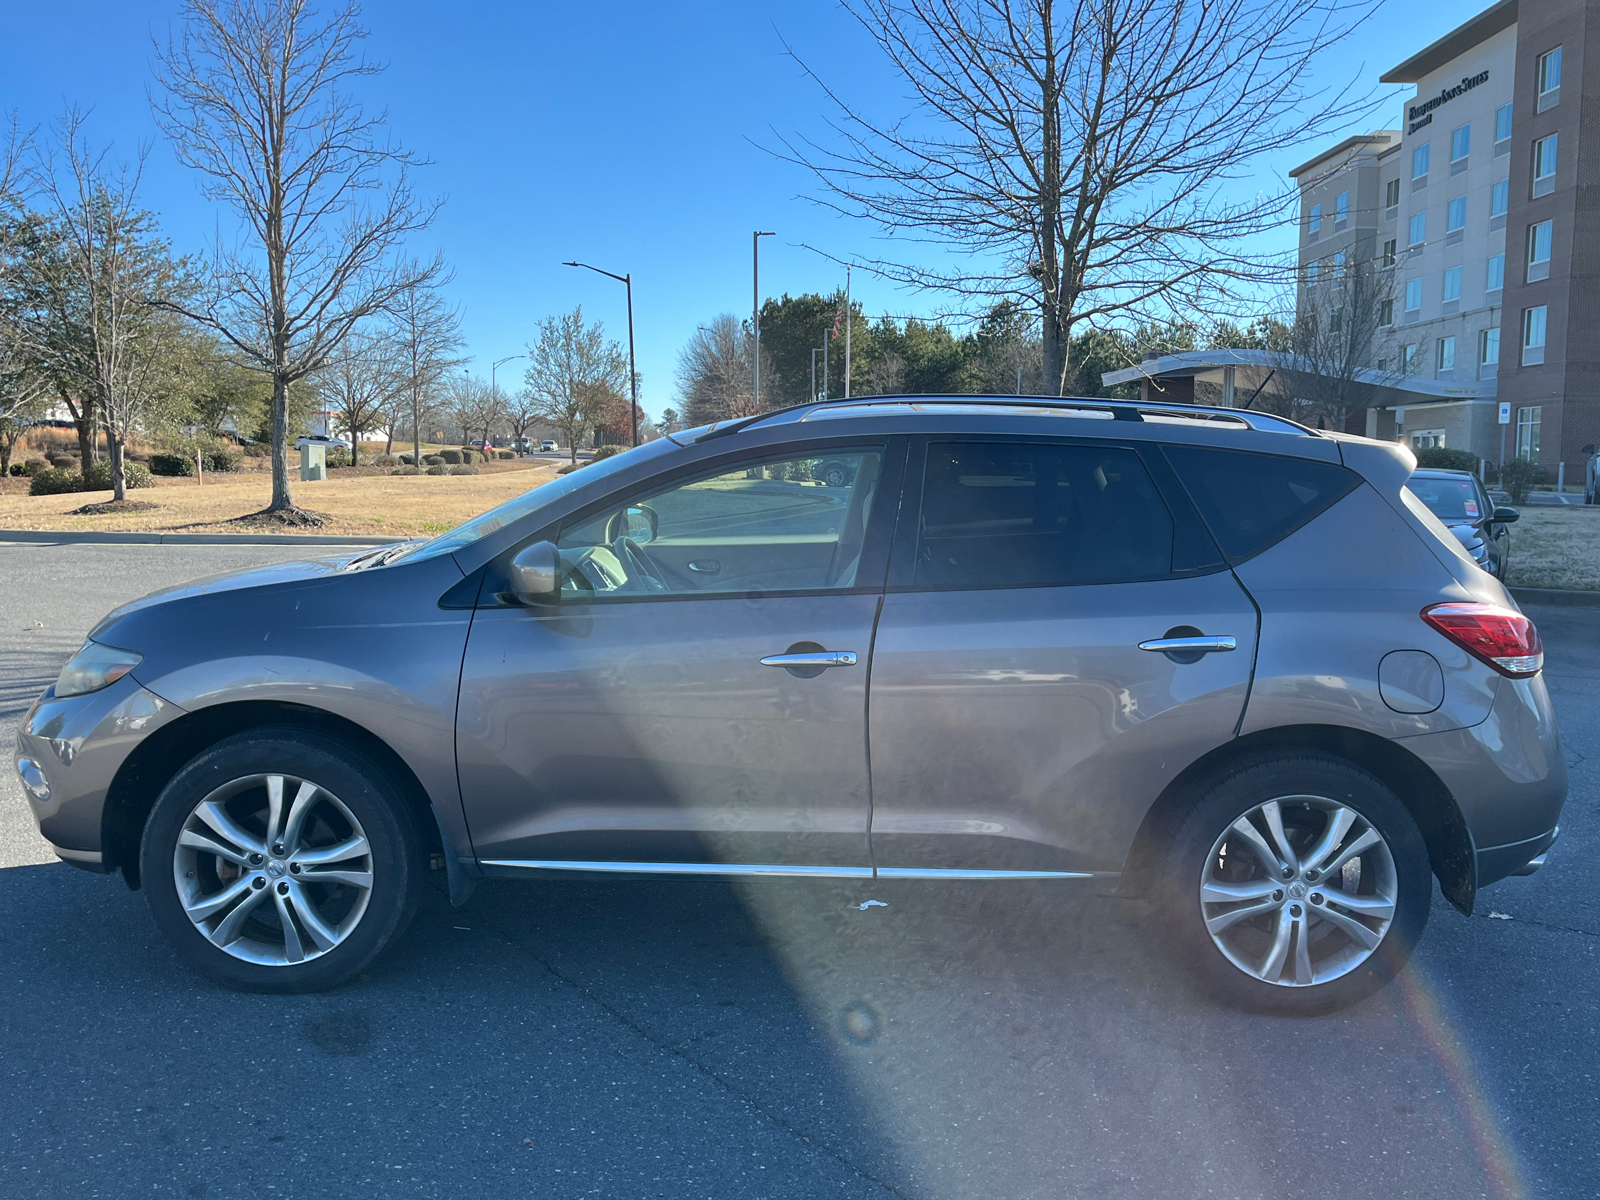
{"points": [[754, 1105], [1543, 925]]}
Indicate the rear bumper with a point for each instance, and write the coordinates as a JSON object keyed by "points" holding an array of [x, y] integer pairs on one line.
{"points": [[1519, 858]]}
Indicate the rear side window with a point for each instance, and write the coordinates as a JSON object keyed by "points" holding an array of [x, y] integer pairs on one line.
{"points": [[1251, 500], [1005, 514]]}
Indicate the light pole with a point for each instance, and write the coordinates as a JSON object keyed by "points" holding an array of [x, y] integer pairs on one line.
{"points": [[813, 373], [494, 390], [633, 375], [755, 307]]}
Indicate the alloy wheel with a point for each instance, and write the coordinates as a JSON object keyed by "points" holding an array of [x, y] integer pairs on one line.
{"points": [[273, 869], [1299, 891]]}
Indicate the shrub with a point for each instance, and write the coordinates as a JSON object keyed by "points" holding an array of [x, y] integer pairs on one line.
{"points": [[568, 469], [406, 471], [19, 469], [34, 465], [171, 464], [449, 457], [337, 458], [221, 460], [464, 469], [432, 460], [52, 481], [604, 452], [98, 477], [437, 469], [64, 462], [1442, 458], [384, 460], [1518, 478], [405, 460], [505, 454]]}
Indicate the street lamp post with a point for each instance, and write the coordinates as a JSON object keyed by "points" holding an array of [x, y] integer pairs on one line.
{"points": [[755, 307], [494, 389], [633, 375], [813, 372]]}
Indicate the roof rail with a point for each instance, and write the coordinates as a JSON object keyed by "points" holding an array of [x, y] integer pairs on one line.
{"points": [[1120, 410]]}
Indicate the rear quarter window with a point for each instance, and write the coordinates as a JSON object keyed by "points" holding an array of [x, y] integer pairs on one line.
{"points": [[1250, 501]]}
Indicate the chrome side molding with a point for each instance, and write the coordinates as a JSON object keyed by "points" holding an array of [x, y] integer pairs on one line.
{"points": [[756, 869]]}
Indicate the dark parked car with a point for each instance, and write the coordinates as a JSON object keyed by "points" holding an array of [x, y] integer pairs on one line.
{"points": [[1481, 525], [1201, 655]]}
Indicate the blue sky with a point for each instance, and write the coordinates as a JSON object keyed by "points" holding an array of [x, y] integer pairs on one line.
{"points": [[624, 135]]}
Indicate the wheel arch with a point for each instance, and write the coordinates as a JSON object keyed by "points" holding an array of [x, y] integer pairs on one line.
{"points": [[1451, 852], [165, 752]]}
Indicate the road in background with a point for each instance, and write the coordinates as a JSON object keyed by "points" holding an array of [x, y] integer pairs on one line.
{"points": [[692, 1038]]}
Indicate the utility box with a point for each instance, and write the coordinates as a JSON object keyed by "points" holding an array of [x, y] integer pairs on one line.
{"points": [[313, 461]]}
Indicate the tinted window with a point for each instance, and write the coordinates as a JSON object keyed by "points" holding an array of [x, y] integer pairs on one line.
{"points": [[778, 525], [1025, 515], [1252, 500]]}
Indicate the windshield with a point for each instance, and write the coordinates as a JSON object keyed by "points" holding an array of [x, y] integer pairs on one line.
{"points": [[1450, 498], [534, 499]]}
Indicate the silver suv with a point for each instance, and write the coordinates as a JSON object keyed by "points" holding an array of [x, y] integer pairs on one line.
{"points": [[1206, 656]]}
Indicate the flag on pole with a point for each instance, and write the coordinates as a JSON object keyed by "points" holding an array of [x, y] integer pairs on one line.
{"points": [[838, 318]]}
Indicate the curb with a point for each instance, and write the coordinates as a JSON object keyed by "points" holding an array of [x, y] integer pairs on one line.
{"points": [[64, 537], [1561, 597]]}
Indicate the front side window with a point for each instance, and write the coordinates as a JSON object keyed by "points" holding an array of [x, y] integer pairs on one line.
{"points": [[1539, 238], [1460, 143], [791, 524], [1502, 126], [1446, 355], [1012, 514], [1314, 222], [1311, 273], [1456, 215], [1548, 74], [1528, 433], [1544, 165], [1452, 284], [1419, 162], [1252, 500], [1408, 359], [1341, 207], [1533, 332], [1489, 347], [1390, 251], [1499, 198], [1419, 228], [1496, 275], [1413, 295], [1391, 193], [1386, 312]]}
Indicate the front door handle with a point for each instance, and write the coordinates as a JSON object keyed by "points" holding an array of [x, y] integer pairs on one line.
{"points": [[1190, 645], [817, 659]]}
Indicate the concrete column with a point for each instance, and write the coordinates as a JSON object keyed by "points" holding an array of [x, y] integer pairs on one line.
{"points": [[1227, 387]]}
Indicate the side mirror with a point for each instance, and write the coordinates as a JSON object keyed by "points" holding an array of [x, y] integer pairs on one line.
{"points": [[536, 573], [1505, 514]]}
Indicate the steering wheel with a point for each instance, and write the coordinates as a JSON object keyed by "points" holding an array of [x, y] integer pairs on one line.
{"points": [[640, 567]]}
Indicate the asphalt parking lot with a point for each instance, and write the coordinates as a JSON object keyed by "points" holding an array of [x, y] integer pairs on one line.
{"points": [[695, 1039]]}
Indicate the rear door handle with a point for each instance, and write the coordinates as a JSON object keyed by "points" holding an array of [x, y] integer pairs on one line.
{"points": [[1191, 645], [823, 658]]}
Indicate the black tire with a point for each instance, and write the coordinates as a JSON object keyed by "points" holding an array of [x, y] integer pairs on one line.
{"points": [[1320, 785], [394, 863]]}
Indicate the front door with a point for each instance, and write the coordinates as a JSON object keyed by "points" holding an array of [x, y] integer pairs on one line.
{"points": [[636, 721], [1016, 724]]}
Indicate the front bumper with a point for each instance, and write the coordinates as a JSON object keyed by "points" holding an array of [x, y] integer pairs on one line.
{"points": [[69, 752]]}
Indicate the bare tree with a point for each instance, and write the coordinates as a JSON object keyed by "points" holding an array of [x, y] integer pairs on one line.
{"points": [[428, 334], [1343, 313], [257, 95], [359, 382], [714, 372], [575, 376], [1078, 154], [522, 413], [473, 406]]}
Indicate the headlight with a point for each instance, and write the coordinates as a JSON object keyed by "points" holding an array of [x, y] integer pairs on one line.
{"points": [[95, 667]]}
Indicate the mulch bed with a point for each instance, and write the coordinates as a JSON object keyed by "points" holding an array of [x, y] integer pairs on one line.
{"points": [[289, 518], [111, 508]]}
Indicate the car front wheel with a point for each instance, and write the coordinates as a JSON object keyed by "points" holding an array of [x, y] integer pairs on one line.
{"points": [[1296, 884], [281, 860]]}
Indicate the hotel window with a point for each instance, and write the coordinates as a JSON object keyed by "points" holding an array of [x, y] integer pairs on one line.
{"points": [[1544, 165], [1533, 323], [1452, 285], [1391, 197], [1455, 220], [1499, 201], [1386, 313], [1446, 360], [1389, 252], [1419, 164], [1314, 222], [1488, 353], [1528, 433], [1337, 322], [1408, 359], [1419, 228], [1495, 277], [1413, 296], [1502, 130], [1311, 275], [1548, 75], [1539, 250], [1338, 262], [1341, 208], [1460, 146]]}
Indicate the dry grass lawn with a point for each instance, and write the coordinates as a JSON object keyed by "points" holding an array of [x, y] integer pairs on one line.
{"points": [[1555, 547], [372, 505]]}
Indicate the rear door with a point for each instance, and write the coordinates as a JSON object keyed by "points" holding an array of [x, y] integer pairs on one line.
{"points": [[1015, 723]]}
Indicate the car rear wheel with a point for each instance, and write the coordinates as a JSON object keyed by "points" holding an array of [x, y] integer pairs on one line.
{"points": [[281, 860], [1295, 884]]}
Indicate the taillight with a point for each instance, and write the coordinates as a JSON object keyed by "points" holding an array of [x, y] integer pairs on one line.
{"points": [[1501, 637]]}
